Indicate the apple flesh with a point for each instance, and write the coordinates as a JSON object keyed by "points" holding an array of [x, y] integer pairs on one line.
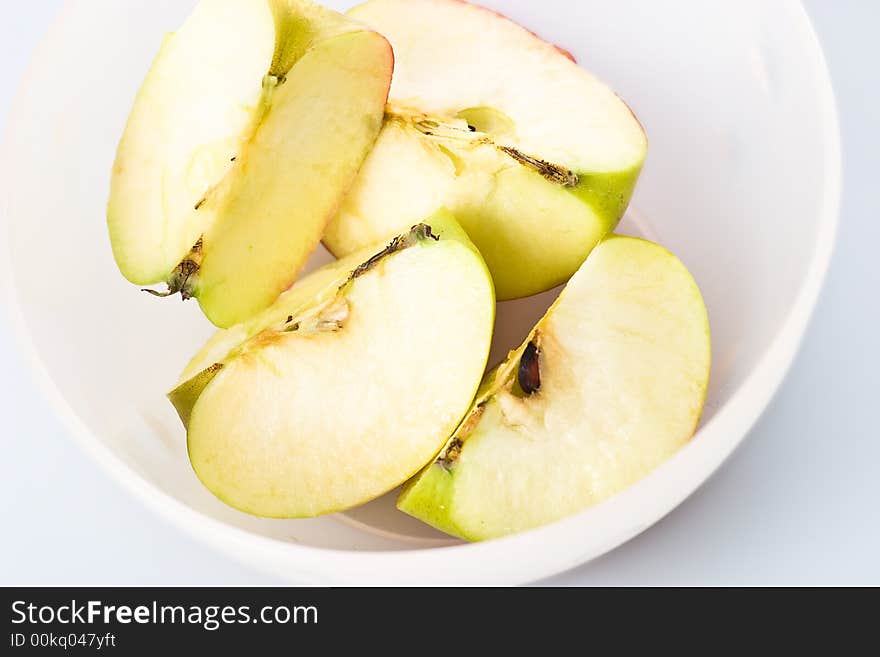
{"points": [[535, 157], [248, 130], [348, 384], [610, 383]]}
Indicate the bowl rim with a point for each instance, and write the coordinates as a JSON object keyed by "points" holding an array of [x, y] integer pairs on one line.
{"points": [[515, 559]]}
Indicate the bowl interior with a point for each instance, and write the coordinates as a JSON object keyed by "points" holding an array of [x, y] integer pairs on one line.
{"points": [[733, 185]]}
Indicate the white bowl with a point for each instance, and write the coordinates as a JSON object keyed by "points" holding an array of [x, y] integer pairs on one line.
{"points": [[742, 182]]}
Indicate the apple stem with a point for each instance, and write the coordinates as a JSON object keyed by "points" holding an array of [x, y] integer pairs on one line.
{"points": [[182, 279], [552, 172], [408, 239]]}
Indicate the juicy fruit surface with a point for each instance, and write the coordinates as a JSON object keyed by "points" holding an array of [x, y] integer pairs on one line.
{"points": [[313, 291], [468, 85], [323, 119], [188, 122], [618, 386], [454, 56], [310, 421], [247, 131], [310, 291]]}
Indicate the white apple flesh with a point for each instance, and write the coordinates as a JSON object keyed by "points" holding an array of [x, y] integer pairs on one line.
{"points": [[535, 156], [248, 130], [348, 384], [610, 383]]}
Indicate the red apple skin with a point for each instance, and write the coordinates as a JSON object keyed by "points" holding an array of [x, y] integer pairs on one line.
{"points": [[565, 53]]}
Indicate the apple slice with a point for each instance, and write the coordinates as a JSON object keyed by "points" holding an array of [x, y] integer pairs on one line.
{"points": [[535, 157], [609, 384], [248, 130], [348, 384]]}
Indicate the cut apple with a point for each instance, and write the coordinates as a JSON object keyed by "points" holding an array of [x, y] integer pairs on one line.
{"points": [[348, 384], [248, 130], [610, 383], [535, 157]]}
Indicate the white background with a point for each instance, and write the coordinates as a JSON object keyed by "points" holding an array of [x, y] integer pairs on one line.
{"points": [[799, 503]]}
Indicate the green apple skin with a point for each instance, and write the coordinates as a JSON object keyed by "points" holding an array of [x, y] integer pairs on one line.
{"points": [[427, 497], [259, 385], [226, 174], [524, 258], [185, 396], [624, 357]]}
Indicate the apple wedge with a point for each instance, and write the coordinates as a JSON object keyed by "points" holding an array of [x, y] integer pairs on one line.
{"points": [[248, 130], [609, 384], [536, 158], [348, 384]]}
